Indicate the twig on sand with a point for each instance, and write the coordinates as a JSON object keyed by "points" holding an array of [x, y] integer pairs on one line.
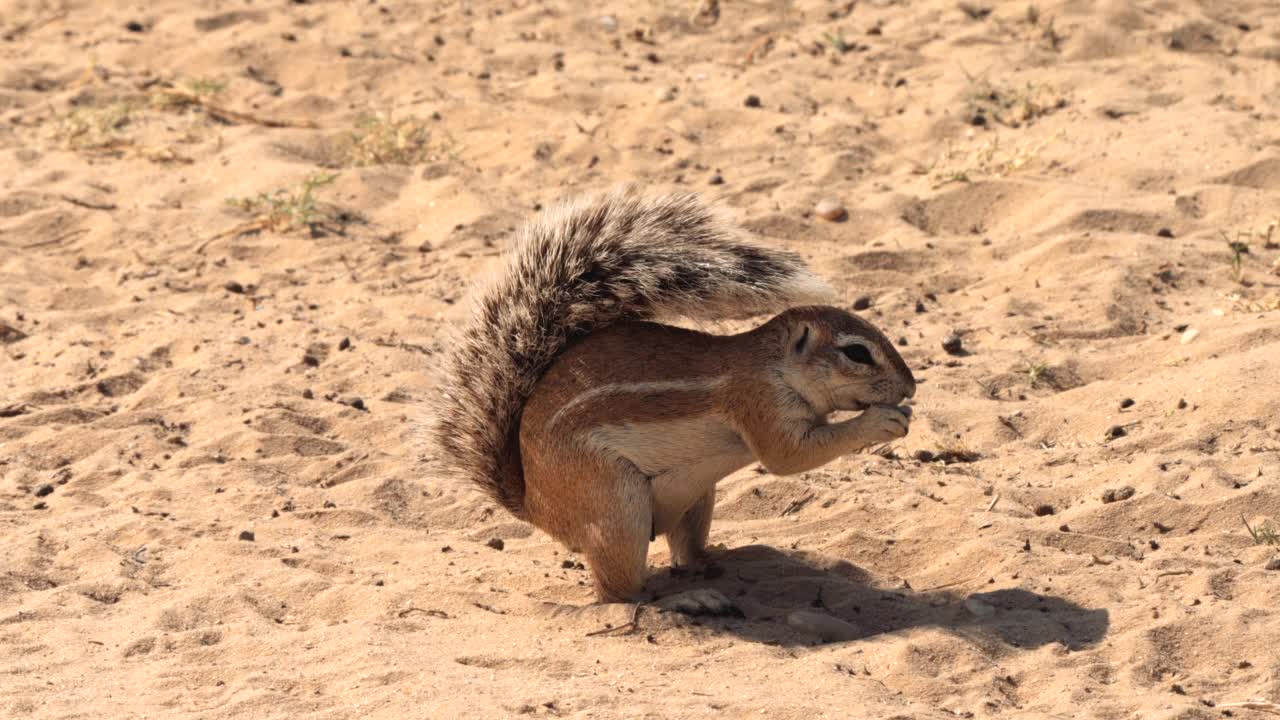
{"points": [[994, 500], [759, 49], [256, 225], [179, 98], [90, 204], [1261, 705], [55, 241], [1167, 573], [432, 613], [944, 586], [628, 626]]}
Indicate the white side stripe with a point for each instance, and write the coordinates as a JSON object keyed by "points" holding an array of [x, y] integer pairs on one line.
{"points": [[637, 388]]}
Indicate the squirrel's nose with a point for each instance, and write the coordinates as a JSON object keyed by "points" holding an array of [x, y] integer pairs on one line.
{"points": [[910, 390]]}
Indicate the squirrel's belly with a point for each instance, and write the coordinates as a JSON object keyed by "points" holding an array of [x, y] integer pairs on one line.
{"points": [[683, 457]]}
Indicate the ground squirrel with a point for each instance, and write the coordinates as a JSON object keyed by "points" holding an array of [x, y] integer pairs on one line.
{"points": [[567, 405]]}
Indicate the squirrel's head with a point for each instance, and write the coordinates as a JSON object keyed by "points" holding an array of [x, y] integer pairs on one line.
{"points": [[838, 361]]}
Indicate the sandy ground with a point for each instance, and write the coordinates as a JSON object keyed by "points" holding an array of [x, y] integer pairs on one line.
{"points": [[212, 502]]}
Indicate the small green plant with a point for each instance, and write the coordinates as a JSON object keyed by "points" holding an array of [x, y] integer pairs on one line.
{"points": [[382, 140], [838, 42], [1264, 534], [283, 210], [205, 86], [1239, 249], [1035, 372]]}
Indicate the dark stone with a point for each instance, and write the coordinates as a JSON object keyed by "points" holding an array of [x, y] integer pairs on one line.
{"points": [[953, 345], [1111, 495]]}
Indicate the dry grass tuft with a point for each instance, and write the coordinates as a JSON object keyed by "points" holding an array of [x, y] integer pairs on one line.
{"points": [[99, 130], [966, 162], [382, 140], [1014, 106], [1264, 534], [284, 210]]}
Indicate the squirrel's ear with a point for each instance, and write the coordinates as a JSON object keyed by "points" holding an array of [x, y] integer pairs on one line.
{"points": [[799, 339]]}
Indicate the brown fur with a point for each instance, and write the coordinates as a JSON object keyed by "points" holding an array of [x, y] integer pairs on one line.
{"points": [[583, 266], [604, 430], [602, 498]]}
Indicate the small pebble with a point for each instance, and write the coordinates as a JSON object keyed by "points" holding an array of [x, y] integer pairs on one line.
{"points": [[355, 402], [830, 210], [1182, 404], [1165, 233], [1042, 510], [1126, 403], [496, 543], [40, 505], [828, 628], [1274, 564], [666, 94], [752, 101], [1115, 431], [979, 607], [862, 303], [243, 340], [134, 26], [44, 490], [953, 345], [925, 456], [247, 535], [716, 179], [920, 307], [1189, 335], [608, 23], [309, 394], [234, 287], [1111, 495], [345, 344]]}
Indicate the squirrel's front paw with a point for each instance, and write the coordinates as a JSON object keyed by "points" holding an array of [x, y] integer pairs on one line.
{"points": [[881, 424]]}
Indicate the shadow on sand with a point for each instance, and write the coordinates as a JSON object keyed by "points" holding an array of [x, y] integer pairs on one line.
{"points": [[767, 585]]}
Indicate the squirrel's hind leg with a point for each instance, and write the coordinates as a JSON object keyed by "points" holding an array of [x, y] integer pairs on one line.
{"points": [[617, 546], [688, 539], [597, 505]]}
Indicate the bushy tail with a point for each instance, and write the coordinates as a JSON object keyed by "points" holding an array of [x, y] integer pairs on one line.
{"points": [[582, 266]]}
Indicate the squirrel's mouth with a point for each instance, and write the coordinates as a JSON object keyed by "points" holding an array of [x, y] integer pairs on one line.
{"points": [[859, 406]]}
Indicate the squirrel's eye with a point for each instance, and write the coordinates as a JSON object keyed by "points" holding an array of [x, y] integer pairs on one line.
{"points": [[859, 354]]}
